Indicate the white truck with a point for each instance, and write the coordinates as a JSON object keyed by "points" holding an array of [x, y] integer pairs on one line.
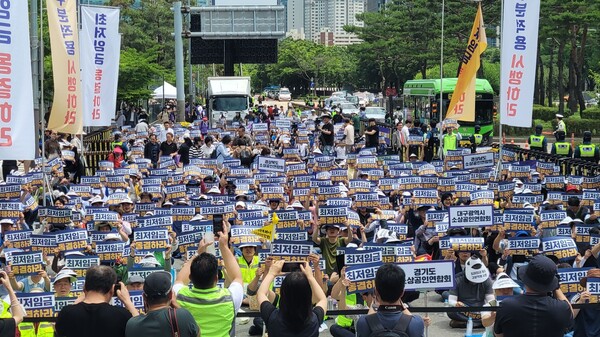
{"points": [[228, 96]]}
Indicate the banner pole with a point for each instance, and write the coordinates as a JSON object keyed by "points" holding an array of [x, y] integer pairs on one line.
{"points": [[500, 145], [425, 301], [42, 107]]}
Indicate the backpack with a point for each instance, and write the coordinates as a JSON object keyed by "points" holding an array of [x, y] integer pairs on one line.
{"points": [[214, 154], [377, 330]]}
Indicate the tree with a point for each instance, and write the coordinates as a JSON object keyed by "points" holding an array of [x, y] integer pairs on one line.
{"points": [[136, 73]]}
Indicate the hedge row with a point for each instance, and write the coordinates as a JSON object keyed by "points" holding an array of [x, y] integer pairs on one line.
{"points": [[591, 113], [547, 113]]}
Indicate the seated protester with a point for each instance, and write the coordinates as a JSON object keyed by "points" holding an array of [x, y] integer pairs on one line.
{"points": [[575, 210], [94, 314], [587, 255], [415, 219], [503, 286], [161, 317], [258, 324], [10, 320], [473, 288], [543, 311], [586, 318], [213, 308], [345, 325], [63, 281], [510, 263], [248, 263], [28, 284], [391, 313], [135, 282], [295, 315], [426, 240], [330, 243]]}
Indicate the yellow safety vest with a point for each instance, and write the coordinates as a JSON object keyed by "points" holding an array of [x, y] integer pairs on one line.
{"points": [[562, 148], [449, 143], [248, 271], [478, 138], [536, 142], [45, 329], [342, 320], [587, 151], [212, 308]]}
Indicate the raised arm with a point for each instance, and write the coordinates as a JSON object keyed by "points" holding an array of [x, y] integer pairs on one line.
{"points": [[233, 269]]}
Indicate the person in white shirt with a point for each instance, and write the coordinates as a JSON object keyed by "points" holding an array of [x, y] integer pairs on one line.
{"points": [[207, 148], [348, 135]]}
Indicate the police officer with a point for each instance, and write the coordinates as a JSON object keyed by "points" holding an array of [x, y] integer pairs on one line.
{"points": [[476, 139], [561, 147], [587, 150], [538, 141], [560, 126]]}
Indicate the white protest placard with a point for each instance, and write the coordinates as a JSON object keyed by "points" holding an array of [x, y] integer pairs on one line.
{"points": [[477, 160], [429, 275], [271, 164], [471, 216]]}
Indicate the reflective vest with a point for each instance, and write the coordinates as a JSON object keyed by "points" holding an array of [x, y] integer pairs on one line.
{"points": [[449, 142], [562, 148], [563, 126], [536, 142], [587, 151], [248, 271], [115, 144], [478, 138], [342, 320], [45, 329], [212, 308]]}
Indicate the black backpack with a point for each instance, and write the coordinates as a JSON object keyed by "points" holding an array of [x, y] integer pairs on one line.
{"points": [[214, 154], [377, 330]]}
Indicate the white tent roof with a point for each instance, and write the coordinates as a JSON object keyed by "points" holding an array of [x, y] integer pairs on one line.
{"points": [[170, 92]]}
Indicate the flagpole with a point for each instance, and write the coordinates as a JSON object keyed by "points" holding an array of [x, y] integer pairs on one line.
{"points": [[42, 108], [442, 63], [500, 145]]}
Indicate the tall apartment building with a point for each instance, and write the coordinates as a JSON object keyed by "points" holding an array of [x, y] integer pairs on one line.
{"points": [[295, 19], [324, 20]]}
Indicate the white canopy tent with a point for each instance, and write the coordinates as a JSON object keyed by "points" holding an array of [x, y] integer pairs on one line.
{"points": [[170, 92]]}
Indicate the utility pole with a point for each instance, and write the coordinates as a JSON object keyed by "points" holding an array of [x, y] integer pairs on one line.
{"points": [[180, 81], [35, 68]]}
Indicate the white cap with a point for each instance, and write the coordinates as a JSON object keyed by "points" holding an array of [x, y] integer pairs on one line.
{"points": [[503, 281], [112, 236], [559, 115], [475, 271], [317, 151], [95, 199], [297, 204], [126, 201], [214, 189], [261, 203], [197, 217], [167, 203], [240, 203], [74, 253], [64, 273], [149, 261], [6, 222]]}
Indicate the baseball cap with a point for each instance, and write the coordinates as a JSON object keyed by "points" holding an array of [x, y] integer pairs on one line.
{"points": [[64, 273], [157, 284], [539, 274], [503, 281], [135, 279]]}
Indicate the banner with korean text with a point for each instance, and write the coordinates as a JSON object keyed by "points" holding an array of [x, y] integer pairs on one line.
{"points": [[16, 92], [100, 52], [518, 61], [66, 114], [462, 104]]}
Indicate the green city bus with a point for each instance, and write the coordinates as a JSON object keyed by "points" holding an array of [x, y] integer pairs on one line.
{"points": [[422, 100]]}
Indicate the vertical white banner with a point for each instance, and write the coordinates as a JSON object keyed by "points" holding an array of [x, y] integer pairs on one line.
{"points": [[100, 45], [17, 128], [518, 61]]}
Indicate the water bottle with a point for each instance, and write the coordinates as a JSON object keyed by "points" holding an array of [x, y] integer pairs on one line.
{"points": [[329, 303], [469, 328], [446, 304]]}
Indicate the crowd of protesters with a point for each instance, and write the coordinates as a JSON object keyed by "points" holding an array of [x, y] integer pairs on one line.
{"points": [[209, 184]]}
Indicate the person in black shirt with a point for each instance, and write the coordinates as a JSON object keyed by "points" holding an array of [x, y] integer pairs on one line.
{"points": [[372, 134], [152, 150], [327, 135], [535, 314], [295, 315], [94, 316], [168, 147], [184, 150]]}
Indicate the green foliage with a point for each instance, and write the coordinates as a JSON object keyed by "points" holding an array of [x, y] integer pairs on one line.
{"points": [[136, 73], [591, 113], [544, 113]]}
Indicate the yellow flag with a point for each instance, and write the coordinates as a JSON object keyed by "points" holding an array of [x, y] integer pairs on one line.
{"points": [[266, 232], [462, 104], [66, 115], [275, 219]]}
